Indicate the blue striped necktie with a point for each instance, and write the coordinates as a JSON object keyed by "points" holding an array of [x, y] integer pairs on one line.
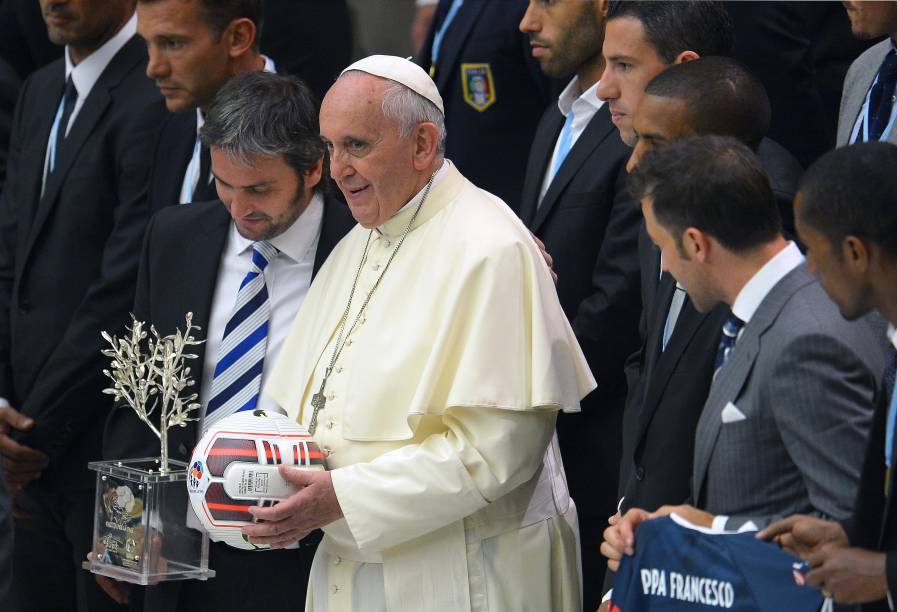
{"points": [[236, 384], [731, 328]]}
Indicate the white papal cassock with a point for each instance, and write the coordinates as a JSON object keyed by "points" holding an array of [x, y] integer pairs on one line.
{"points": [[438, 414]]}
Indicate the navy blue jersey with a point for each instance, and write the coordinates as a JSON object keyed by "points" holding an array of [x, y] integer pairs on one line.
{"points": [[676, 567]]}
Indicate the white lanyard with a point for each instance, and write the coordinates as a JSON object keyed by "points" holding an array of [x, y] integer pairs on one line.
{"points": [[864, 120]]}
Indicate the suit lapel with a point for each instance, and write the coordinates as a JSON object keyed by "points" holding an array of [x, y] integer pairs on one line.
{"points": [[452, 45], [542, 148], [856, 96], [731, 379], [658, 313], [666, 362], [175, 150], [198, 289], [44, 113], [90, 114], [599, 128]]}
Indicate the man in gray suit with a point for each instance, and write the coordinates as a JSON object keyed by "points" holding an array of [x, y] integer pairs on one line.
{"points": [[785, 424], [867, 101]]}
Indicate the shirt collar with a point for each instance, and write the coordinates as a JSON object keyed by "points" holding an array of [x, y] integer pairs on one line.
{"points": [[571, 97], [296, 241], [892, 334], [86, 74], [393, 230], [755, 291]]}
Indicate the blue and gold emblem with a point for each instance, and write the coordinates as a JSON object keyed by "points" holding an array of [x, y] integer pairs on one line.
{"points": [[479, 88]]}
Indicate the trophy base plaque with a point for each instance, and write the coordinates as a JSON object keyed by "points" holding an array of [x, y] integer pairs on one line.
{"points": [[140, 532]]}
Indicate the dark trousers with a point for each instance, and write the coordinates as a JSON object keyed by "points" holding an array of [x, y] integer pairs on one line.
{"points": [[50, 544], [250, 580]]}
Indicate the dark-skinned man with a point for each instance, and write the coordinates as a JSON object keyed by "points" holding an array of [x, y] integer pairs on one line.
{"points": [[846, 218]]}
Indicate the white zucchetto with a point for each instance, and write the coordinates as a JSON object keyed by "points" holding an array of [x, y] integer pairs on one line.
{"points": [[402, 71]]}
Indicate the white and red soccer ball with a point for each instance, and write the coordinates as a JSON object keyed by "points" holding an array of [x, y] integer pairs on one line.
{"points": [[234, 467]]}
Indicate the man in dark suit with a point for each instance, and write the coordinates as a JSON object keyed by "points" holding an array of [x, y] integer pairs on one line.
{"points": [[575, 201], [493, 90], [786, 419], [72, 216], [194, 46], [675, 363], [267, 159], [846, 217]]}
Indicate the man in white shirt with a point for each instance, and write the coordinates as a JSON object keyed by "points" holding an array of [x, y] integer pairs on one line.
{"points": [[788, 412], [72, 217], [268, 163]]}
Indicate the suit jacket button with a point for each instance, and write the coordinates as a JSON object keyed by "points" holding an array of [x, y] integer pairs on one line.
{"points": [[639, 473]]}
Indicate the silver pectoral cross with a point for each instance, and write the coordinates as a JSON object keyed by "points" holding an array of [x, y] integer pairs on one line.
{"points": [[317, 402]]}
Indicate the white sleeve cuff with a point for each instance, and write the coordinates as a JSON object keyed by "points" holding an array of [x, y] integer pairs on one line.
{"points": [[420, 3], [719, 522], [607, 596], [4, 403]]}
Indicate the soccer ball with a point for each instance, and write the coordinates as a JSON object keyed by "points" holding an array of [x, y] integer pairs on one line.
{"points": [[234, 467]]}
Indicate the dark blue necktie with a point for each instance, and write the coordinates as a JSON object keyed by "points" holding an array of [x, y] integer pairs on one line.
{"points": [[236, 383], [881, 97], [731, 328]]}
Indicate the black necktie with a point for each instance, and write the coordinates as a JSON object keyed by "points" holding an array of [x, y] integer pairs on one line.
{"points": [[205, 190], [881, 98], [69, 97]]}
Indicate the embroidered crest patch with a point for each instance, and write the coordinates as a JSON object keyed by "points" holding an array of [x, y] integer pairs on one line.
{"points": [[479, 88]]}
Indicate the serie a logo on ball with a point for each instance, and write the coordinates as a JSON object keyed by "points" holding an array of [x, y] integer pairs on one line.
{"points": [[235, 466], [195, 476]]}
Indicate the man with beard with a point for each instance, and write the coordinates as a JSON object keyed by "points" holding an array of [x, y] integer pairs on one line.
{"points": [[575, 201]]}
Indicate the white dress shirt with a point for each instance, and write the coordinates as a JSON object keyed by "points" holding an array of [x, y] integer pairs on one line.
{"points": [[287, 278], [583, 106], [755, 290], [86, 74]]}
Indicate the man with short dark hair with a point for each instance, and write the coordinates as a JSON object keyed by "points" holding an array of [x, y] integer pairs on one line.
{"points": [[672, 372], [645, 38], [846, 217], [789, 406], [72, 217], [195, 47], [270, 169]]}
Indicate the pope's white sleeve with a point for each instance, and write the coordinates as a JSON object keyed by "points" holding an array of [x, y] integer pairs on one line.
{"points": [[484, 454]]}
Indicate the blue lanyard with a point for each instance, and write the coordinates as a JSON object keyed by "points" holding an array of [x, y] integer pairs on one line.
{"points": [[440, 33]]}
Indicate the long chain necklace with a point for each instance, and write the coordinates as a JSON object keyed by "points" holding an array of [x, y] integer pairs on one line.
{"points": [[318, 400]]}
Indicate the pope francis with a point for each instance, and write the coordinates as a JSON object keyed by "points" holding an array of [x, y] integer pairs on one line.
{"points": [[429, 361]]}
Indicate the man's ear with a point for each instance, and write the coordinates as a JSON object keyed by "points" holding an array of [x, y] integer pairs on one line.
{"points": [[240, 36], [686, 56], [313, 175], [696, 244], [856, 253], [426, 145]]}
